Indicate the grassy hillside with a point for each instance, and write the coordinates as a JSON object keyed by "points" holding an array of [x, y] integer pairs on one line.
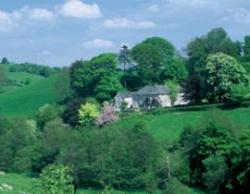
{"points": [[168, 125], [23, 184], [18, 99]]}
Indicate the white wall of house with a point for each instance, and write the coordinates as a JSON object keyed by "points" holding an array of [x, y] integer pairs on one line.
{"points": [[165, 100], [129, 102], [180, 100]]}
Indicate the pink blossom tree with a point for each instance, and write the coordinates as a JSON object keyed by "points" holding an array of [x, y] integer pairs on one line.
{"points": [[108, 115]]}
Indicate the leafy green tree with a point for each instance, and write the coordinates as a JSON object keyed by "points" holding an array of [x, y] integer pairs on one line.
{"points": [[125, 59], [173, 91], [46, 113], [16, 136], [82, 78], [122, 158], [98, 77], [216, 172], [198, 50], [3, 77], [214, 153], [153, 56], [57, 179], [88, 113], [71, 113], [176, 71], [247, 46], [223, 72], [62, 85], [108, 86], [5, 61], [239, 93]]}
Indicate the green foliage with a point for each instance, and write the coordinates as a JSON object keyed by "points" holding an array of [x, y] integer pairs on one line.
{"points": [[247, 46], [41, 70], [216, 172], [125, 60], [198, 50], [88, 113], [174, 186], [123, 159], [176, 70], [57, 179], [108, 86], [16, 137], [5, 61], [46, 113], [238, 93], [71, 113], [3, 78], [173, 91], [62, 85], [216, 156], [223, 72], [153, 56], [97, 77]]}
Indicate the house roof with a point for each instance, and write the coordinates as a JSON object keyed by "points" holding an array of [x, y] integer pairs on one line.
{"points": [[153, 90], [125, 94], [147, 90]]}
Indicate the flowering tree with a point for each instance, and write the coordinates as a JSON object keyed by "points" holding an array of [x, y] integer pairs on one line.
{"points": [[108, 115], [88, 113]]}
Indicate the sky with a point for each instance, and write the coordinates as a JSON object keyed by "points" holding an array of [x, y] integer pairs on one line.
{"points": [[58, 32]]}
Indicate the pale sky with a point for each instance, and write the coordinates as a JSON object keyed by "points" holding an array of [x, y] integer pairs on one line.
{"points": [[57, 32]]}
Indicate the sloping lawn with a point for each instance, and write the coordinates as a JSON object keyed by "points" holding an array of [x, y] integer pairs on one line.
{"points": [[26, 100]]}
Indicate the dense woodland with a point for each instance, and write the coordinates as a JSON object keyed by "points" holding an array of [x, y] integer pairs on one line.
{"points": [[76, 142]]}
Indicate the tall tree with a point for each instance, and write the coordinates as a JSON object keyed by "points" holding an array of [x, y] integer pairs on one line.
{"points": [[5, 61], [154, 57], [3, 78], [198, 50], [247, 46], [125, 59], [98, 77], [223, 72]]}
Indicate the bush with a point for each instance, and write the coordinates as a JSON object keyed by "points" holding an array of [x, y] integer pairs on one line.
{"points": [[57, 179], [46, 113], [15, 139], [107, 115], [123, 159]]}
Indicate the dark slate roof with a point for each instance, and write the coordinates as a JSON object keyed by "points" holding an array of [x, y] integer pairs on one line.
{"points": [[125, 94], [147, 90], [153, 90]]}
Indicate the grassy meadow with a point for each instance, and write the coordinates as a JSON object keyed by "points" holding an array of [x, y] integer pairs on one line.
{"points": [[23, 184], [167, 125], [24, 100]]}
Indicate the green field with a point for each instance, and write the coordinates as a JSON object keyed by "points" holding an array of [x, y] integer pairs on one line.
{"points": [[25, 100], [168, 125], [21, 184]]}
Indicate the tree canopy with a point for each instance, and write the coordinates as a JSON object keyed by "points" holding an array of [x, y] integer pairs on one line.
{"points": [[156, 61], [222, 73], [217, 40], [98, 77]]}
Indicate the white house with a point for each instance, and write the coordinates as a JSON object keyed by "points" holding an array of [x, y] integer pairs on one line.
{"points": [[147, 97]]}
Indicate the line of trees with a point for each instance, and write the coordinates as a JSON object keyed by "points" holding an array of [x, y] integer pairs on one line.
{"points": [[41, 70]]}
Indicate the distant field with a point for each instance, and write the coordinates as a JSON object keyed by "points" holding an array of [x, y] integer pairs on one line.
{"points": [[21, 184], [168, 125], [25, 100]]}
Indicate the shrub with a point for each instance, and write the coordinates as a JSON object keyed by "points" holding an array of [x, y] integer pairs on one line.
{"points": [[88, 113], [45, 114], [107, 115], [57, 179]]}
